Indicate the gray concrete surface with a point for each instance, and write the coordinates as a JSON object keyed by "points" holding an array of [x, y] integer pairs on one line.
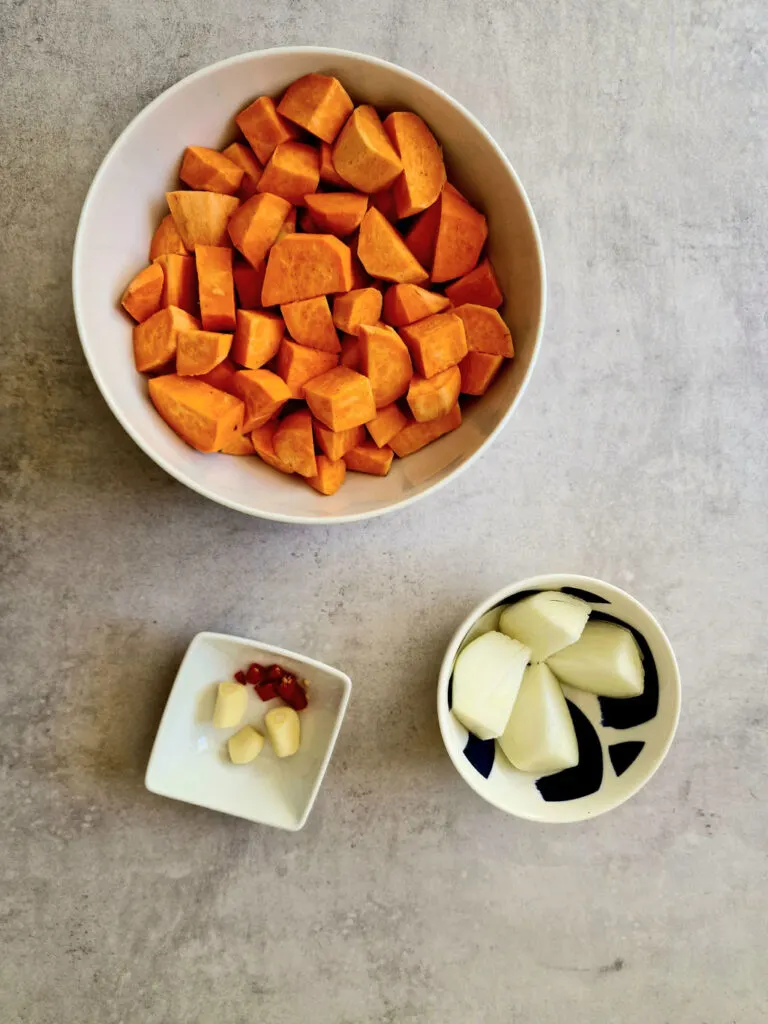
{"points": [[637, 455]]}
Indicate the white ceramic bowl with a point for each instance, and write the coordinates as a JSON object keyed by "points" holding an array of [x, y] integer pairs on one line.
{"points": [[621, 742], [126, 202], [189, 759]]}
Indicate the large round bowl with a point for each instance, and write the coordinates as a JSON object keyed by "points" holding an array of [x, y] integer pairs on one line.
{"points": [[125, 204]]}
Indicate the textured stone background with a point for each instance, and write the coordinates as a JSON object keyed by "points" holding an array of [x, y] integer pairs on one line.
{"points": [[638, 455]]}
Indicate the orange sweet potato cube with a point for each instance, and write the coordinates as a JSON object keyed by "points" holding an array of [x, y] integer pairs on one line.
{"points": [[289, 224], [201, 218], [293, 170], [264, 394], [257, 337], [429, 398], [198, 352], [329, 477], [406, 303], [256, 225], [248, 282], [155, 340], [421, 235], [389, 421], [167, 239], [201, 415], [385, 360], [238, 444], [461, 235], [415, 435], [479, 287], [423, 168], [355, 308], [336, 443], [141, 299], [264, 128], [477, 372], [295, 444], [243, 157], [222, 377], [328, 172], [338, 213], [383, 252], [216, 287], [297, 364], [384, 202], [350, 353], [207, 170], [179, 282], [263, 440], [368, 458], [340, 398], [435, 343], [318, 103], [309, 322], [485, 330], [305, 266], [363, 154]]}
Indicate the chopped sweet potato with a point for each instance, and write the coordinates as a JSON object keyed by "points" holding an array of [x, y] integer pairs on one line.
{"points": [[461, 235], [263, 440], [257, 337], [368, 458], [479, 287], [383, 252], [201, 415], [360, 306], [243, 157], [155, 340], [384, 202], [294, 443], [305, 266], [256, 225], [336, 443], [201, 218], [415, 435], [264, 394], [208, 170], [485, 330], [216, 287], [389, 421], [362, 153], [420, 237], [384, 359], [248, 282], [264, 128], [297, 364], [289, 224], [309, 322], [293, 170], [429, 398], [179, 281], [477, 372], [338, 213], [198, 352], [435, 343], [238, 444], [318, 103], [329, 477], [167, 239], [141, 299], [222, 377], [328, 172], [406, 303], [423, 168], [350, 353], [306, 222], [340, 398]]}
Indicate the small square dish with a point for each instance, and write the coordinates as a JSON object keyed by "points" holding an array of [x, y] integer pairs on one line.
{"points": [[189, 759]]}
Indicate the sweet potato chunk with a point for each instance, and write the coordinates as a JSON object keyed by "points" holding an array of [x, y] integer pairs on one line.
{"points": [[179, 282], [329, 477], [294, 443], [264, 128], [362, 153], [328, 172], [243, 157], [309, 322], [297, 364], [461, 235], [141, 299], [207, 170], [289, 224], [318, 103], [384, 359], [429, 398], [341, 398], [305, 266], [350, 353], [256, 225], [336, 443], [248, 282], [485, 330], [222, 377], [389, 421], [435, 343], [479, 287], [263, 440], [423, 168], [368, 458], [338, 213], [238, 444], [257, 337], [198, 352], [202, 416], [407, 303], [383, 252], [155, 340], [420, 237], [264, 394], [415, 435], [216, 287], [201, 217], [167, 239], [477, 372], [384, 202], [293, 171], [360, 306]]}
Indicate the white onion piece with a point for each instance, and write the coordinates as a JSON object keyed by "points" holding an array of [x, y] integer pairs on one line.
{"points": [[486, 680], [545, 622], [539, 736], [605, 660]]}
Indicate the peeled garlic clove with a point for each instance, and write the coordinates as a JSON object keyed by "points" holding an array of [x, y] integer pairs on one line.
{"points": [[539, 736], [486, 678], [545, 622], [605, 660], [231, 702], [245, 745], [284, 730]]}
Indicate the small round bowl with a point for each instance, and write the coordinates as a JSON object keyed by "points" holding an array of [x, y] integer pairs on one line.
{"points": [[125, 204], [621, 742]]}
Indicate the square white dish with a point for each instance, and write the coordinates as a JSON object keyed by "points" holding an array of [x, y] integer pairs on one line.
{"points": [[189, 759]]}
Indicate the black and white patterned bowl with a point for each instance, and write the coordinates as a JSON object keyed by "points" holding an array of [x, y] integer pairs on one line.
{"points": [[621, 742]]}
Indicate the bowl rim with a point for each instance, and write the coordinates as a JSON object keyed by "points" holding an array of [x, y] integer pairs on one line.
{"points": [[322, 53], [543, 581]]}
